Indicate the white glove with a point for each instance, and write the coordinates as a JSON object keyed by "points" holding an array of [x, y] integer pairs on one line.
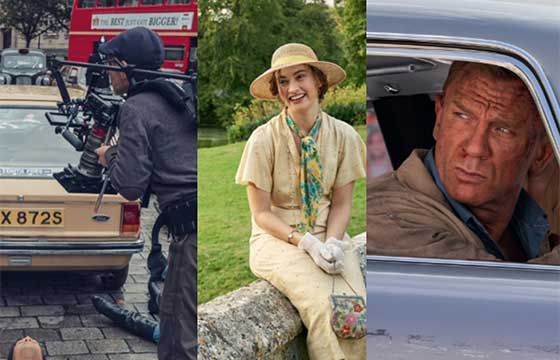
{"points": [[321, 254], [342, 245], [337, 248]]}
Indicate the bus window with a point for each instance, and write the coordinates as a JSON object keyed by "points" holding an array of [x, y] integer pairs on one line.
{"points": [[174, 53], [178, 1], [152, 2], [128, 2], [193, 53], [86, 3], [106, 3]]}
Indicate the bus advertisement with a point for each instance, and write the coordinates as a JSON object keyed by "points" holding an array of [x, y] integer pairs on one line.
{"points": [[175, 21]]}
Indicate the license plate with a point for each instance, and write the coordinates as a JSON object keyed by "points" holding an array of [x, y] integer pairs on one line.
{"points": [[32, 217]]}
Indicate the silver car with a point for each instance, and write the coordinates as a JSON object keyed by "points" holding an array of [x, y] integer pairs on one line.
{"points": [[421, 308]]}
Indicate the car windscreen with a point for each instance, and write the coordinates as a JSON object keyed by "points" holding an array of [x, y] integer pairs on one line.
{"points": [[18, 61], [29, 145]]}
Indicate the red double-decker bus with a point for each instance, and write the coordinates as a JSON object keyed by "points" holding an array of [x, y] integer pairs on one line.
{"points": [[174, 20]]}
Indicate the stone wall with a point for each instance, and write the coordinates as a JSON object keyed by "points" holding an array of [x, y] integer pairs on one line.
{"points": [[254, 322]]}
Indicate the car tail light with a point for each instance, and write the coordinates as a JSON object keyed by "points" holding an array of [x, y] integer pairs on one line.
{"points": [[130, 223]]}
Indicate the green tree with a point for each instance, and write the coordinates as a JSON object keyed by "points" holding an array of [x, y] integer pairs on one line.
{"points": [[60, 10], [32, 18], [353, 31], [314, 25], [233, 45], [238, 38]]}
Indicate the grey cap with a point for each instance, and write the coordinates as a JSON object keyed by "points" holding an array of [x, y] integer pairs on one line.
{"points": [[138, 46]]}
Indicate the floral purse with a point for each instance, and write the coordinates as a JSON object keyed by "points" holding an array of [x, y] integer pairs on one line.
{"points": [[349, 318]]}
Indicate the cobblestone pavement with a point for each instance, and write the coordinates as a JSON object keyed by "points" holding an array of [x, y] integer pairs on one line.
{"points": [[56, 310]]}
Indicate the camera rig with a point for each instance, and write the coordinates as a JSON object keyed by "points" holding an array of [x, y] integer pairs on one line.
{"points": [[87, 123]]}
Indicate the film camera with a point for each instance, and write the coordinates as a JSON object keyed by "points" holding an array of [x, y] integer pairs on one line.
{"points": [[85, 123], [88, 122]]}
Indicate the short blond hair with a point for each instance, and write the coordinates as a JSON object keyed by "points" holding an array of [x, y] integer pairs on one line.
{"points": [[460, 68]]}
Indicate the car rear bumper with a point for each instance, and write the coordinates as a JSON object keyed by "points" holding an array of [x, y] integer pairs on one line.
{"points": [[62, 247], [62, 255]]}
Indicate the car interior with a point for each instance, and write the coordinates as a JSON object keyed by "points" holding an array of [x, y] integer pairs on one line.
{"points": [[401, 92], [405, 107]]}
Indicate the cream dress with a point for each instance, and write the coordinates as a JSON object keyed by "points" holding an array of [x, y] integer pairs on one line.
{"points": [[271, 162]]}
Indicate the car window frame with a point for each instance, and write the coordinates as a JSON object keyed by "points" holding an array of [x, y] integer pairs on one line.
{"points": [[483, 51]]}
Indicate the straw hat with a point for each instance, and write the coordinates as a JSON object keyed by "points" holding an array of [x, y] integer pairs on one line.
{"points": [[289, 55]]}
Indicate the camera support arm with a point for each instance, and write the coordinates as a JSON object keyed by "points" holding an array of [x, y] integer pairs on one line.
{"points": [[101, 107], [129, 69]]}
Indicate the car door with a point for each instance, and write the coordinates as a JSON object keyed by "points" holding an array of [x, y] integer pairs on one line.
{"points": [[425, 308]]}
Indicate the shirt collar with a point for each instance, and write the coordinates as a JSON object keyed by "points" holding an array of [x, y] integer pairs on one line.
{"points": [[529, 220]]}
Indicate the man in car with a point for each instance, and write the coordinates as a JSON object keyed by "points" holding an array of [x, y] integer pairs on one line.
{"points": [[157, 150], [464, 198]]}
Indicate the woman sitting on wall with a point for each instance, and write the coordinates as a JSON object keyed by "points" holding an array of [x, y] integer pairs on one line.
{"points": [[300, 169]]}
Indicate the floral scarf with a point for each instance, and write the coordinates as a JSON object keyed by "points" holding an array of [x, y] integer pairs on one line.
{"points": [[311, 174]]}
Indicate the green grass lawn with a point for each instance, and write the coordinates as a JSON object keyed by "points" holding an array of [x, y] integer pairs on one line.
{"points": [[224, 222]]}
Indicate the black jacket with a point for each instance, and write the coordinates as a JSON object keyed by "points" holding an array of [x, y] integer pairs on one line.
{"points": [[157, 144]]}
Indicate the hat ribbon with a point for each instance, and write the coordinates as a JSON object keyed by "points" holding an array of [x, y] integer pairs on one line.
{"points": [[292, 59]]}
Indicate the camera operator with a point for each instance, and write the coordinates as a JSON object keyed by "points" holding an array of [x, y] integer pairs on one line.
{"points": [[157, 150]]}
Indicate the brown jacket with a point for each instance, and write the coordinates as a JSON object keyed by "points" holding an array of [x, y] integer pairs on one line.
{"points": [[407, 215], [551, 201]]}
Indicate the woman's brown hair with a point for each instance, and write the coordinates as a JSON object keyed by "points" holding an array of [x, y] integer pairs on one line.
{"points": [[319, 75]]}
